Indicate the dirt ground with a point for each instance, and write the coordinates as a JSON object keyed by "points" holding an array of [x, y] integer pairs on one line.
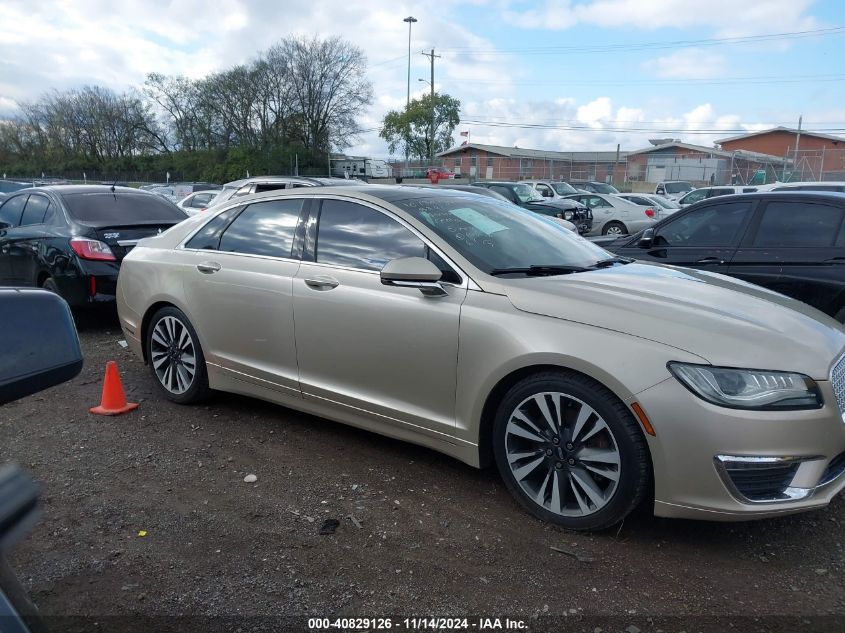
{"points": [[433, 537]]}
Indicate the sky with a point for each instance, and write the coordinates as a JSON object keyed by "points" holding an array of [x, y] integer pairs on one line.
{"points": [[565, 75]]}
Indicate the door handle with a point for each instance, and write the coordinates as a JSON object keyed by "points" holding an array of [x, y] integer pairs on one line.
{"points": [[208, 268], [710, 260], [322, 283]]}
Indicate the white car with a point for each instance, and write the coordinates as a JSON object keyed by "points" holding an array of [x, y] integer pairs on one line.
{"points": [[198, 201], [614, 216], [662, 206], [673, 189], [711, 192], [552, 190], [809, 186]]}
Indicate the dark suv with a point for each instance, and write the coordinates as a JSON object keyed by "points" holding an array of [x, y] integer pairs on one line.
{"points": [[71, 239], [790, 242], [529, 198]]}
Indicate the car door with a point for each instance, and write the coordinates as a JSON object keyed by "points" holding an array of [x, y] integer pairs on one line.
{"points": [[26, 241], [362, 345], [796, 248], [705, 237], [10, 219], [239, 292], [544, 190]]}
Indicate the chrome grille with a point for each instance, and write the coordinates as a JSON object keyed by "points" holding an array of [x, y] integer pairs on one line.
{"points": [[837, 380]]}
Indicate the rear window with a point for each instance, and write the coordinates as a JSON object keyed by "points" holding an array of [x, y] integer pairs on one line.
{"points": [[121, 207]]}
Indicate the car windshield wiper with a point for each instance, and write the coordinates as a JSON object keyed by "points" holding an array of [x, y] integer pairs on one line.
{"points": [[604, 263], [540, 270]]}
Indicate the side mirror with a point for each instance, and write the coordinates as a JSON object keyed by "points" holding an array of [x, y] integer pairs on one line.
{"points": [[547, 194], [660, 191], [413, 272], [646, 239], [41, 347]]}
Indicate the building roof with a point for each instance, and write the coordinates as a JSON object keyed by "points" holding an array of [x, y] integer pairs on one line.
{"points": [[835, 139], [519, 152], [714, 151]]}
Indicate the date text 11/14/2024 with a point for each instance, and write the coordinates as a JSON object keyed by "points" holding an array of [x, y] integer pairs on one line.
{"points": [[417, 624]]}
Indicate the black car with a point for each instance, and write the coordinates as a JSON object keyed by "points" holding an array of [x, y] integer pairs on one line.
{"points": [[527, 197], [790, 242], [71, 239]]}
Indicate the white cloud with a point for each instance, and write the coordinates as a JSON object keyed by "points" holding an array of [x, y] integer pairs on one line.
{"points": [[688, 63]]}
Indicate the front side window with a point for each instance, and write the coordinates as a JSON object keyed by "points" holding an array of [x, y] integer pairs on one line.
{"points": [[717, 225], [355, 236], [10, 212], [495, 235], [695, 196], [798, 224], [264, 228], [545, 190], [208, 237], [720, 192]]}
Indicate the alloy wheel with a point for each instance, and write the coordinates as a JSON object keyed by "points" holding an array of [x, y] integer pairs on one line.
{"points": [[562, 454], [173, 355], [614, 230]]}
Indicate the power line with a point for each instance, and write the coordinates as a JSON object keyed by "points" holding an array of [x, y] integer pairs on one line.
{"points": [[695, 81], [587, 128], [659, 45]]}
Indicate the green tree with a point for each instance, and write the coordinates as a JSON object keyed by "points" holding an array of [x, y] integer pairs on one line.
{"points": [[411, 129]]}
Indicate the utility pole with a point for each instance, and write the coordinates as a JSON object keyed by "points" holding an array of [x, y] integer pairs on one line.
{"points": [[410, 20], [431, 57], [797, 143]]}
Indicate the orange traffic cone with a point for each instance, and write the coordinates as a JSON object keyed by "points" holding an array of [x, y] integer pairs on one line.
{"points": [[114, 400]]}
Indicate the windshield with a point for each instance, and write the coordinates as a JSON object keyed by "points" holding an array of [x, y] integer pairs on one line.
{"points": [[563, 188], [678, 187], [494, 235], [600, 187], [526, 193]]}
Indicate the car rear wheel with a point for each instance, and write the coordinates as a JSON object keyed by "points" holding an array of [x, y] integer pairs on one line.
{"points": [[175, 357], [614, 228], [49, 284], [570, 451]]}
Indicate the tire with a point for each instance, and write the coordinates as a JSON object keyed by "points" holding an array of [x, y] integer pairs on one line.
{"points": [[569, 470], [172, 345], [50, 285], [840, 316], [614, 228]]}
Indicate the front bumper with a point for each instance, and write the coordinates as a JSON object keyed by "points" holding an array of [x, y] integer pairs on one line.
{"points": [[725, 464]]}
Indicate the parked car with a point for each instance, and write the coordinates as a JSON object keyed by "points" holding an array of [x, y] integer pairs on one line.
{"points": [[259, 184], [663, 206], [790, 242], [592, 186], [809, 186], [613, 215], [673, 189], [441, 173], [551, 189], [527, 198], [712, 192], [484, 191], [71, 239], [198, 201], [434, 317]]}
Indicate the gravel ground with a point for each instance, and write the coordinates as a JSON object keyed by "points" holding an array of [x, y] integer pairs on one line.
{"points": [[430, 536]]}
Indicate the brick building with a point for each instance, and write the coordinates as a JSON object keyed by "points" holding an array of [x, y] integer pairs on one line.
{"points": [[819, 156], [496, 162], [701, 165]]}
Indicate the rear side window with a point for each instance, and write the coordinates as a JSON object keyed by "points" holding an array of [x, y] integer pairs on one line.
{"points": [[208, 237], [269, 186], [35, 210], [10, 212], [356, 236], [121, 208], [264, 228], [798, 224]]}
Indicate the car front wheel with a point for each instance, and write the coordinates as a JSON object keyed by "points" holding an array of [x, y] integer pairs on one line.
{"points": [[175, 357], [570, 451]]}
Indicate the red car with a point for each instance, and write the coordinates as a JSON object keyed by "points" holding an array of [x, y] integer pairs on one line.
{"points": [[439, 173]]}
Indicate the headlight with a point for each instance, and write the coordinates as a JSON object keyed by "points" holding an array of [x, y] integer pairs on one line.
{"points": [[568, 215], [749, 388]]}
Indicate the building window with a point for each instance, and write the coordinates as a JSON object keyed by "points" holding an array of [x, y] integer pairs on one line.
{"points": [[473, 160], [457, 162], [489, 160]]}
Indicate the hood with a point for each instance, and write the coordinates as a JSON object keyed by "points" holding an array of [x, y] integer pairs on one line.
{"points": [[723, 320]]}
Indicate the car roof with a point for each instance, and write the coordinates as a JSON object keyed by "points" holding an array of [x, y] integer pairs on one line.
{"points": [[317, 180], [387, 193], [828, 196], [63, 190]]}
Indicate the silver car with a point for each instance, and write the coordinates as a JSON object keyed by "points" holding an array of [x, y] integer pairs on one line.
{"points": [[459, 323], [614, 216], [663, 207], [261, 184]]}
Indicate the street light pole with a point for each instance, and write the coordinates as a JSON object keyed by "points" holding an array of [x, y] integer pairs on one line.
{"points": [[410, 20]]}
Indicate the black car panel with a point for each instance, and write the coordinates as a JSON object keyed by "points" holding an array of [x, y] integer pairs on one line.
{"points": [[792, 243]]}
